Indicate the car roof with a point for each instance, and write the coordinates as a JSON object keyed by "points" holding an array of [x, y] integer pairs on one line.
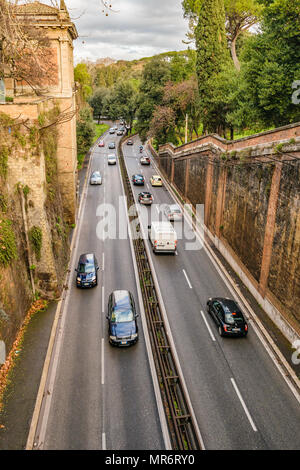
{"points": [[122, 298], [229, 303]]}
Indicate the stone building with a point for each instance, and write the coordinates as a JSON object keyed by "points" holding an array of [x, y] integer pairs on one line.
{"points": [[38, 170]]}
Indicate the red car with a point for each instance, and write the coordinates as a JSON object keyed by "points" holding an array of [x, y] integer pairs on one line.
{"points": [[101, 143]]}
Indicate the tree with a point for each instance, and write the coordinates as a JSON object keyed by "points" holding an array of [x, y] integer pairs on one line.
{"points": [[97, 101], [85, 130], [82, 76], [271, 64], [240, 15], [163, 124], [212, 54], [183, 99], [156, 73], [122, 101]]}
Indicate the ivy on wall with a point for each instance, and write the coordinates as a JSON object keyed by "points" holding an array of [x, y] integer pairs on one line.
{"points": [[8, 246], [36, 237]]}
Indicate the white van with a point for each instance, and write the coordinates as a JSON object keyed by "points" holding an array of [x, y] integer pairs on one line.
{"points": [[163, 237]]}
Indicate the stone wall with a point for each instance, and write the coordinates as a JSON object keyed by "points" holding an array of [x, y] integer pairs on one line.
{"points": [[251, 191], [33, 204]]}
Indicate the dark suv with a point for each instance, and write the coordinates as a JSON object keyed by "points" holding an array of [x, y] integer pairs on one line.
{"points": [[87, 270], [122, 324], [228, 317]]}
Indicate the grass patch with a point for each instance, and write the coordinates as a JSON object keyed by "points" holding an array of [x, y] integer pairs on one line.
{"points": [[100, 129]]}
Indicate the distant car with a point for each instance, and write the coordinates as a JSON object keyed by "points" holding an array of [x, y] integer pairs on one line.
{"points": [[121, 316], [228, 317], [111, 145], [138, 180], [112, 159], [87, 270], [145, 160], [101, 143], [120, 132], [155, 180], [173, 212], [96, 177], [145, 198], [129, 142], [111, 131]]}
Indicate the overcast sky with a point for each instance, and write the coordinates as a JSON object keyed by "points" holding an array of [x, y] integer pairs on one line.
{"points": [[140, 28]]}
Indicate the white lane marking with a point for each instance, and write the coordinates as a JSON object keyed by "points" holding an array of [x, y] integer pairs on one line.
{"points": [[102, 361], [187, 279], [102, 299], [103, 441], [103, 260], [243, 405], [147, 185], [207, 326]]}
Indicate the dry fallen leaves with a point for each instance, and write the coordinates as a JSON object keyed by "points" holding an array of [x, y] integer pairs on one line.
{"points": [[36, 307]]}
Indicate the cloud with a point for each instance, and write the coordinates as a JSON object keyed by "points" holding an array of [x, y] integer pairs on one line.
{"points": [[140, 28]]}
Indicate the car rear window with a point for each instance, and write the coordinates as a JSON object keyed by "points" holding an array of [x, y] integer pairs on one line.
{"points": [[232, 313]]}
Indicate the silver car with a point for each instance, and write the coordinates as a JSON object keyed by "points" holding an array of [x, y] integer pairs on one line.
{"points": [[96, 178], [112, 159], [173, 212]]}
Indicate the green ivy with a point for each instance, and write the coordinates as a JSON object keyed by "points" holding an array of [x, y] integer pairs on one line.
{"points": [[8, 247], [3, 161], [35, 237]]}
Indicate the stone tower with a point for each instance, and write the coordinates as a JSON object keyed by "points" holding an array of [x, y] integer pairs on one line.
{"points": [[55, 23]]}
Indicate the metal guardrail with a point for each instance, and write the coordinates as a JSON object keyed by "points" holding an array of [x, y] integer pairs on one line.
{"points": [[181, 426]]}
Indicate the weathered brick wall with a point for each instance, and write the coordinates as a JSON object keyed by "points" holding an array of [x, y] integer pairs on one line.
{"points": [[27, 179], [251, 192], [284, 276]]}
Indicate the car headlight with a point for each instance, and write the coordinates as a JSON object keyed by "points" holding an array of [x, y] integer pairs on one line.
{"points": [[93, 278], [78, 279], [113, 338], [134, 336]]}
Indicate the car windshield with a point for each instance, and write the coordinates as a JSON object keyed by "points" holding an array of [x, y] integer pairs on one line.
{"points": [[86, 268], [96, 174], [121, 315]]}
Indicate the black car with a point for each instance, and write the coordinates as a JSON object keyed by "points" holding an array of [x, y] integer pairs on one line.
{"points": [[122, 324], [87, 271], [228, 317], [138, 180], [145, 198], [129, 142], [111, 145]]}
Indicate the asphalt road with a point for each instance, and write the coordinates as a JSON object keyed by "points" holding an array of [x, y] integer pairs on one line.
{"points": [[239, 397], [103, 397]]}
